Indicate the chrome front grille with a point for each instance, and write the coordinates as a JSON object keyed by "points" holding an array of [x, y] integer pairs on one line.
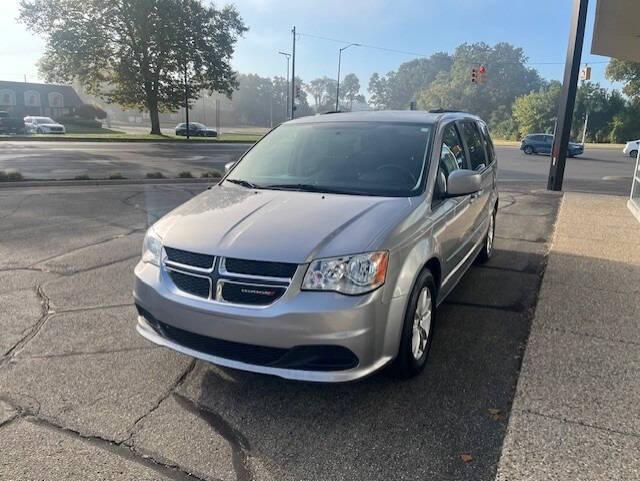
{"points": [[228, 280]]}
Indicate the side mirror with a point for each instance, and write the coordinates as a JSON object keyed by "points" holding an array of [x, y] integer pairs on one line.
{"points": [[228, 166], [463, 182]]}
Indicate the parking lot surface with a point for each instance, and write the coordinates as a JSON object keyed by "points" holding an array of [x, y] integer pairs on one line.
{"points": [[82, 396]]}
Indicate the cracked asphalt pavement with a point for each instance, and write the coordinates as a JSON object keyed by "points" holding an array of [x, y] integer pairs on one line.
{"points": [[82, 396]]}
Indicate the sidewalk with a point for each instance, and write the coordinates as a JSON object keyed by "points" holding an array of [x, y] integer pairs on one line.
{"points": [[576, 413]]}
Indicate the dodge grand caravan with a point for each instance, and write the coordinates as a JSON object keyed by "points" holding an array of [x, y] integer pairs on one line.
{"points": [[324, 252]]}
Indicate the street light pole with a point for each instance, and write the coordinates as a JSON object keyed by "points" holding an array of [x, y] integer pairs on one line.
{"points": [[286, 105], [339, 62], [186, 100], [293, 74]]}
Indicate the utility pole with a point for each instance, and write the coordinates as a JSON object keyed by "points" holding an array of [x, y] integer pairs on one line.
{"points": [[568, 96], [286, 105], [339, 62], [186, 100], [293, 75]]}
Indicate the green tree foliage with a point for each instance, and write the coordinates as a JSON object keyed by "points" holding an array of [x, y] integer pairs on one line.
{"points": [[627, 72], [397, 89], [507, 78], [536, 112], [136, 53]]}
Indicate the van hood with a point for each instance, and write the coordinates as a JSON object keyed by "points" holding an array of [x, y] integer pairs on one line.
{"points": [[281, 226]]}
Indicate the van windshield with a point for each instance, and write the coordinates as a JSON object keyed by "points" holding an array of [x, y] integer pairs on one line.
{"points": [[359, 158]]}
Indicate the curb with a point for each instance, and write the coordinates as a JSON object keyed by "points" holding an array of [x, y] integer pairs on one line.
{"points": [[88, 183]]}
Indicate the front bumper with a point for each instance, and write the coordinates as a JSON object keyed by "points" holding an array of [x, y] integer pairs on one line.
{"points": [[364, 325]]}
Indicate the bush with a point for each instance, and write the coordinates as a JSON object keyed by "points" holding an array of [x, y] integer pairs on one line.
{"points": [[211, 174], [90, 112], [84, 123], [155, 175], [116, 176], [185, 175], [10, 176]]}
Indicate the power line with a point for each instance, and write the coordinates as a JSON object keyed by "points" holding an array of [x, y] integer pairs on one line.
{"points": [[416, 54]]}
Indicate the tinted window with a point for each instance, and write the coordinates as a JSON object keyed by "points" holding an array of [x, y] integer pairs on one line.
{"points": [[475, 145], [372, 158], [488, 143]]}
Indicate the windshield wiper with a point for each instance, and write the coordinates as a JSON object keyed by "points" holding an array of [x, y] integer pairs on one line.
{"points": [[244, 183], [313, 188]]}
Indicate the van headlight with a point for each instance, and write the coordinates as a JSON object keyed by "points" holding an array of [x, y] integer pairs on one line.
{"points": [[152, 247], [352, 275]]}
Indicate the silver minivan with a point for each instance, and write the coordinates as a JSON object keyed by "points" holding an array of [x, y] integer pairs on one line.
{"points": [[324, 252]]}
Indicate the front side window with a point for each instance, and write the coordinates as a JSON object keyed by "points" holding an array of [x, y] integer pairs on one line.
{"points": [[360, 158], [449, 162], [475, 145]]}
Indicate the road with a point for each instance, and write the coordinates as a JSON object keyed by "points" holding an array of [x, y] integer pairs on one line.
{"points": [[599, 169], [82, 396]]}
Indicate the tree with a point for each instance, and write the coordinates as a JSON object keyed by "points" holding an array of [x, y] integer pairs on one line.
{"points": [[137, 53], [397, 89], [323, 91], [507, 78], [627, 72], [536, 112], [350, 91]]}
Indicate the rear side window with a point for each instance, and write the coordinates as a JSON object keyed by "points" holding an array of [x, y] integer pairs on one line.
{"points": [[475, 145], [488, 143]]}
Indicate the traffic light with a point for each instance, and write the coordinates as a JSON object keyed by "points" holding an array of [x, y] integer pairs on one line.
{"points": [[474, 75], [298, 91], [482, 74]]}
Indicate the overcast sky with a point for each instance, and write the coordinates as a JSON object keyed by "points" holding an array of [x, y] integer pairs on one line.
{"points": [[540, 27]]}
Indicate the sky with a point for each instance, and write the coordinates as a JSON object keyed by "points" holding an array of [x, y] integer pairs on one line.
{"points": [[422, 27]]}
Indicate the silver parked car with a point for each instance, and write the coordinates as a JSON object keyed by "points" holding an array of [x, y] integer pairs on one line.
{"points": [[43, 125], [324, 252]]}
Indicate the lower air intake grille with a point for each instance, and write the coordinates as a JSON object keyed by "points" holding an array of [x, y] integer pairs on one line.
{"points": [[312, 358]]}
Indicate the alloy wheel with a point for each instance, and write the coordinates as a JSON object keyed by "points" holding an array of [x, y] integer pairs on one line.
{"points": [[422, 323]]}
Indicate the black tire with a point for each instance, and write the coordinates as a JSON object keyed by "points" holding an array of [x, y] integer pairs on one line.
{"points": [[528, 150], [487, 246], [406, 365], [633, 154]]}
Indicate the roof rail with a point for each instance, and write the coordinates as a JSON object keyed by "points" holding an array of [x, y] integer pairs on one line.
{"points": [[444, 111]]}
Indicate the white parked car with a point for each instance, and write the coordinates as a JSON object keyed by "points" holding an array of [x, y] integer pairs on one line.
{"points": [[43, 125], [631, 149]]}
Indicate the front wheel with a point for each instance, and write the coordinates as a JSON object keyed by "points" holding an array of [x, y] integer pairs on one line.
{"points": [[528, 150], [417, 330], [633, 154]]}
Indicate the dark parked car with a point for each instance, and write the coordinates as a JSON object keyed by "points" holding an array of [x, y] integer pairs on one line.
{"points": [[196, 129], [11, 125], [543, 143]]}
